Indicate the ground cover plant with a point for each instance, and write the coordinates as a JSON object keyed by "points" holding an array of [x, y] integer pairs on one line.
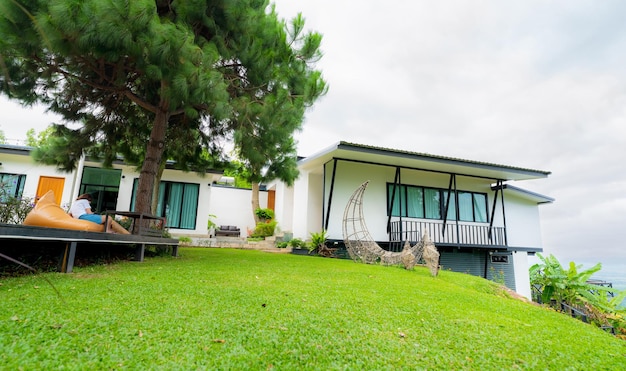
{"points": [[236, 309]]}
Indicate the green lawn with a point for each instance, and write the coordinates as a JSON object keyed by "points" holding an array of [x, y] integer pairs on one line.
{"points": [[218, 309]]}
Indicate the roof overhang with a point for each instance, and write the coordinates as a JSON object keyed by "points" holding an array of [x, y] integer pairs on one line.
{"points": [[414, 160], [15, 150], [532, 196]]}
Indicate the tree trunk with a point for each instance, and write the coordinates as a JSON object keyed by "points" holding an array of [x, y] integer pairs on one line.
{"points": [[155, 189], [154, 153], [255, 201]]}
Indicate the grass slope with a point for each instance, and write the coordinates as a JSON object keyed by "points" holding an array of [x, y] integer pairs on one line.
{"points": [[234, 309]]}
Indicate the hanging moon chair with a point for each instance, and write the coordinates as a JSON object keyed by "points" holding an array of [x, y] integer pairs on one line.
{"points": [[359, 243]]}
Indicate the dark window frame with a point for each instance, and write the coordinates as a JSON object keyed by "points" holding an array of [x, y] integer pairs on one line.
{"points": [[19, 189], [401, 197], [164, 209]]}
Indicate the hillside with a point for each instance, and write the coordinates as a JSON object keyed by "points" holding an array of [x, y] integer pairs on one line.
{"points": [[234, 309]]}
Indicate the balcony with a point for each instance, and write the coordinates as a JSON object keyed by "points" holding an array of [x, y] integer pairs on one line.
{"points": [[463, 234]]}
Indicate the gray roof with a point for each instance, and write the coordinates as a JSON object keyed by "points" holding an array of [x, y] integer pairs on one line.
{"points": [[416, 160]]}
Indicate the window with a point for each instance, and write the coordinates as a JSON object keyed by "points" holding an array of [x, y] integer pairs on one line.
{"points": [[430, 203], [177, 202], [103, 185], [12, 185]]}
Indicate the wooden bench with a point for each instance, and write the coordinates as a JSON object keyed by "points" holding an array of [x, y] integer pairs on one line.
{"points": [[142, 224], [73, 237]]}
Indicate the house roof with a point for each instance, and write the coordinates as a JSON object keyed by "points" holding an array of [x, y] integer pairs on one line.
{"points": [[25, 151], [15, 149], [415, 160], [536, 197]]}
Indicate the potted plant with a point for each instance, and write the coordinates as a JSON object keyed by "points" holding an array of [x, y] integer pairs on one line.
{"points": [[298, 246], [318, 244]]}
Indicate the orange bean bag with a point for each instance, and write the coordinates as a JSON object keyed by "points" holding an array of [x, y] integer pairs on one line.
{"points": [[47, 213]]}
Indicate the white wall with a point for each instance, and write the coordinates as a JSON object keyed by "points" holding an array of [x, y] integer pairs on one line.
{"points": [[522, 275], [24, 165], [522, 221], [300, 205], [231, 206], [283, 206]]}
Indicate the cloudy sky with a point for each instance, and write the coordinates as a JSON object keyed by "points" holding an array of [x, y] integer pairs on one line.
{"points": [[529, 83]]}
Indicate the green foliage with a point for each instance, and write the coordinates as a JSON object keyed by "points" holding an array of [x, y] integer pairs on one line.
{"points": [[282, 244], [240, 172], [559, 284], [297, 243], [571, 287], [264, 229], [14, 210], [34, 139], [318, 238], [229, 309], [160, 80], [210, 223], [184, 240], [264, 214], [3, 138]]}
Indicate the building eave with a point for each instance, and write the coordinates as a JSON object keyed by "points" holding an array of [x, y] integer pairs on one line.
{"points": [[416, 160], [536, 197]]}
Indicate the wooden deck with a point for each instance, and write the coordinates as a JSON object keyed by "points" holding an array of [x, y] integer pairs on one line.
{"points": [[10, 232]]}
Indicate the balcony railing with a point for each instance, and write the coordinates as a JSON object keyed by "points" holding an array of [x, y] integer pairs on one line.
{"points": [[463, 234]]}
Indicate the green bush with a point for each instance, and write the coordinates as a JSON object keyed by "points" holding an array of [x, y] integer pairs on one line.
{"points": [[318, 239], [14, 210], [571, 286], [264, 214], [264, 229], [282, 244], [184, 239], [297, 243]]}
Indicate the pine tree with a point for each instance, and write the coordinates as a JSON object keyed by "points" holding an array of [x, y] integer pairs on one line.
{"points": [[141, 71]]}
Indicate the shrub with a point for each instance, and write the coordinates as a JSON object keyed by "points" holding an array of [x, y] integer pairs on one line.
{"points": [[264, 229], [282, 244], [318, 240], [297, 243], [14, 210], [210, 223], [264, 214], [184, 240]]}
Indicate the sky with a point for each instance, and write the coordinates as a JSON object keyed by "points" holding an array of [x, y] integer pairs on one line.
{"points": [[528, 83]]}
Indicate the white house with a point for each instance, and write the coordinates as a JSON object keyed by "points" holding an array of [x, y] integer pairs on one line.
{"points": [[480, 223], [185, 199]]}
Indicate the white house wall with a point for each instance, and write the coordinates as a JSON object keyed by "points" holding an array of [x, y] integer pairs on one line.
{"points": [[522, 275], [522, 221], [232, 206], [25, 165], [350, 175], [283, 206]]}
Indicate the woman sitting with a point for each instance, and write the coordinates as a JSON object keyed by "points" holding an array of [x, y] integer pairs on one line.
{"points": [[81, 209]]}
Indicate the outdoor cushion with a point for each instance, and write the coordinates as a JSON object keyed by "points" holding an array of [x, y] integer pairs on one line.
{"points": [[47, 213]]}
